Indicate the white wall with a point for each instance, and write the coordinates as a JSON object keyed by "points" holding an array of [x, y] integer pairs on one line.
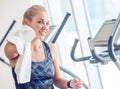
{"points": [[9, 10]]}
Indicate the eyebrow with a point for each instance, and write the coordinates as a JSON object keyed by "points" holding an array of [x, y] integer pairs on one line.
{"points": [[43, 19]]}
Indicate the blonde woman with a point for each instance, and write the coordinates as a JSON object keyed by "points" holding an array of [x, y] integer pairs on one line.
{"points": [[45, 70]]}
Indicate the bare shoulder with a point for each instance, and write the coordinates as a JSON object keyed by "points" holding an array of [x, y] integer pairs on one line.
{"points": [[53, 50], [51, 45]]}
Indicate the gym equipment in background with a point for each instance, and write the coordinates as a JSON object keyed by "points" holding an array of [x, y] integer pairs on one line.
{"points": [[9, 29], [107, 37]]}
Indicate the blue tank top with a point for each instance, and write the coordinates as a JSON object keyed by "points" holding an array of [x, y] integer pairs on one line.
{"points": [[41, 73]]}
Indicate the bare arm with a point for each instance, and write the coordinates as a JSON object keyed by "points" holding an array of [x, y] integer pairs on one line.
{"points": [[11, 53], [58, 79]]}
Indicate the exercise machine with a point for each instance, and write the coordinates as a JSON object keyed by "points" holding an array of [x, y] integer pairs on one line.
{"points": [[107, 37], [1, 42]]}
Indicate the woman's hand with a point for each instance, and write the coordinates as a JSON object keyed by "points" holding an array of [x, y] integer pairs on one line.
{"points": [[76, 84]]}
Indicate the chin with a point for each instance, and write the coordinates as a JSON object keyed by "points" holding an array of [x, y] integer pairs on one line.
{"points": [[42, 38]]}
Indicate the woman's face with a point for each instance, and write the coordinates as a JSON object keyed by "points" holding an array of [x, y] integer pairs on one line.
{"points": [[40, 24]]}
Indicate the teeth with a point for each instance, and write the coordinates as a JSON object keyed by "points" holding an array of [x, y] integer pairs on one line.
{"points": [[42, 32]]}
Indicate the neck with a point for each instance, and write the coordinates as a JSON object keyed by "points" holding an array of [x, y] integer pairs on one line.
{"points": [[36, 43]]}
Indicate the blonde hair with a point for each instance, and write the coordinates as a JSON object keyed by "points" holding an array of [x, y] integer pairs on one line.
{"points": [[30, 12]]}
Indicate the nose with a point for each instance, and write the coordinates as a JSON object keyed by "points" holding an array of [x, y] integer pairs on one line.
{"points": [[45, 27]]}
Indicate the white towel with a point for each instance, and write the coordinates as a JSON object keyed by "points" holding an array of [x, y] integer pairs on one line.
{"points": [[22, 39]]}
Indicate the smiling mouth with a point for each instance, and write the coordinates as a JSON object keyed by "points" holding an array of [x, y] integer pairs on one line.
{"points": [[42, 32]]}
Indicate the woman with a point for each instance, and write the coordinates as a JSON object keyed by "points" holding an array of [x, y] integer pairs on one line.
{"points": [[45, 70]]}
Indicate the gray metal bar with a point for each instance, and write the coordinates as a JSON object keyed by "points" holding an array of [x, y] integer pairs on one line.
{"points": [[73, 52], [74, 76], [95, 58], [9, 29], [112, 53], [7, 32], [114, 36], [61, 27], [2, 60], [93, 52]]}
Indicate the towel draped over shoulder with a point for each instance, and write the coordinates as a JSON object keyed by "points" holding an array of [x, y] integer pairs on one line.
{"points": [[22, 40]]}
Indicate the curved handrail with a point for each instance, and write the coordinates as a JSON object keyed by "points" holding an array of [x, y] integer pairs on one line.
{"points": [[97, 57], [112, 53], [73, 52], [74, 76], [111, 41]]}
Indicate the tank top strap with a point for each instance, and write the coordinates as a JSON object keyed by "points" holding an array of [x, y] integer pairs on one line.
{"points": [[47, 49]]}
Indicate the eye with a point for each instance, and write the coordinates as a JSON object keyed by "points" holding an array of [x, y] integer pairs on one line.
{"points": [[39, 22], [47, 23]]}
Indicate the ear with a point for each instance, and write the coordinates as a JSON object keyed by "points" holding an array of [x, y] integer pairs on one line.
{"points": [[25, 21]]}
